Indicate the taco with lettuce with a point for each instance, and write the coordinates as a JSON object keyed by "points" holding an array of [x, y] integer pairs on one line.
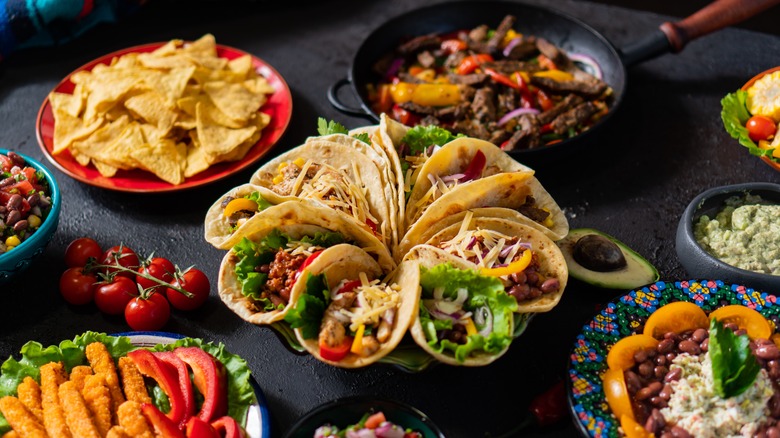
{"points": [[335, 175], [529, 265], [345, 314], [464, 317], [257, 275]]}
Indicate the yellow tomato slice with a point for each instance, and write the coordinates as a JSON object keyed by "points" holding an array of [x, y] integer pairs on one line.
{"points": [[617, 394], [676, 317], [746, 318], [632, 429], [621, 355]]}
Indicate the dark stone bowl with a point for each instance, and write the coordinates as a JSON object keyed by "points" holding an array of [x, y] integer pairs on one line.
{"points": [[701, 264]]}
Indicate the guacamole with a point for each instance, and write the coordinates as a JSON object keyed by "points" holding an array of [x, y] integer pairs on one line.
{"points": [[745, 234]]}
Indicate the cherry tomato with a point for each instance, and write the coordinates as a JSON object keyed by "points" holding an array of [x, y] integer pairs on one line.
{"points": [[147, 314], [112, 298], [159, 268], [760, 128], [76, 286], [193, 281], [80, 250], [337, 352], [122, 255]]}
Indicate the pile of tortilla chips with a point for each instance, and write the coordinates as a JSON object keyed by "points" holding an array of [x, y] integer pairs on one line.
{"points": [[173, 112]]}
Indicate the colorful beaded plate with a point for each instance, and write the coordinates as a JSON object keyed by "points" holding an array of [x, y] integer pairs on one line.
{"points": [[625, 316]]}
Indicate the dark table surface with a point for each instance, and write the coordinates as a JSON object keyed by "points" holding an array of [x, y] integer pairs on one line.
{"points": [[665, 146]]}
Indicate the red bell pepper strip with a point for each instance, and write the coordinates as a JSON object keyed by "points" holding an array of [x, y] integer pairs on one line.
{"points": [[210, 379], [526, 98], [228, 427], [472, 62], [163, 426], [306, 263], [544, 100], [547, 63], [197, 428], [338, 352], [371, 225], [453, 45], [405, 117], [165, 375], [185, 384], [501, 79], [475, 167], [349, 286]]}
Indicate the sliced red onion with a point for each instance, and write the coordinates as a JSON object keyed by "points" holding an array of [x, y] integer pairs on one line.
{"points": [[472, 242], [389, 430], [506, 250], [438, 314], [362, 433], [392, 71], [453, 177], [515, 113], [524, 245], [511, 45], [588, 61]]}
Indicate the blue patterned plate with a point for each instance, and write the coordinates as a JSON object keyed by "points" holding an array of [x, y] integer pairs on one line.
{"points": [[626, 316]]}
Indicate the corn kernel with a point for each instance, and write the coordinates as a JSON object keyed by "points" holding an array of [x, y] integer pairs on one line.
{"points": [[12, 241], [282, 165], [299, 162], [33, 221], [278, 179]]}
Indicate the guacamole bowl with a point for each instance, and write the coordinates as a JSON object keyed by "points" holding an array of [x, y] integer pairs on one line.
{"points": [[695, 250]]}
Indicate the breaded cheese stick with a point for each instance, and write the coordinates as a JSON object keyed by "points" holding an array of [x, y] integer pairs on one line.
{"points": [[52, 376], [132, 381], [21, 419], [102, 362], [78, 374], [77, 414], [29, 393], [133, 421], [98, 400]]}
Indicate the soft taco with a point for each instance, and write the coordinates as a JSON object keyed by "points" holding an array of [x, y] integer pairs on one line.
{"points": [[256, 276], [455, 165], [464, 317], [336, 175], [235, 212], [528, 263], [514, 196], [345, 315]]}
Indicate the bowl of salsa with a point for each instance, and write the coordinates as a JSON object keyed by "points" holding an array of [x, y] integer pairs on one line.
{"points": [[29, 211]]}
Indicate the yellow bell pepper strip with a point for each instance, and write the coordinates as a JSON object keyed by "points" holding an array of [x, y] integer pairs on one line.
{"points": [[471, 63], [239, 204], [471, 329], [357, 343], [557, 75], [425, 94], [517, 266], [616, 393]]}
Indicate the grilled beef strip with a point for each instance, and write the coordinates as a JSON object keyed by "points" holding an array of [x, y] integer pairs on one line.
{"points": [[423, 42], [483, 105], [426, 59], [509, 66], [584, 89], [494, 43], [568, 102], [527, 137], [526, 48], [470, 79], [573, 117]]}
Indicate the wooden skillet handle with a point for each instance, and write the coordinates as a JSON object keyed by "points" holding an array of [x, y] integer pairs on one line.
{"points": [[715, 16]]}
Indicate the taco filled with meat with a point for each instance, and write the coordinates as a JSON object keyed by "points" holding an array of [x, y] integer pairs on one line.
{"points": [[257, 275], [514, 196], [345, 314], [530, 266], [336, 175], [464, 317]]}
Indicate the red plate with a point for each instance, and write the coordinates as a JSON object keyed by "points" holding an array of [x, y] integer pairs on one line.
{"points": [[278, 106]]}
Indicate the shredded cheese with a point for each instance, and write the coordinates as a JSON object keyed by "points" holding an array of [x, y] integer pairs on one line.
{"points": [[486, 246], [372, 301]]}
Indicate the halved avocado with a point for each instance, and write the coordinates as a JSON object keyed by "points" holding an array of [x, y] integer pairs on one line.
{"points": [[601, 260]]}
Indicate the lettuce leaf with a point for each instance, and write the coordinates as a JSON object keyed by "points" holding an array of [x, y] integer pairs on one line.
{"points": [[734, 114], [420, 137], [308, 311], [262, 203], [253, 254], [734, 368], [72, 353], [483, 291]]}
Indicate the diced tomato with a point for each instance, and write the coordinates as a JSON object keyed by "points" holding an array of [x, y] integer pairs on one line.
{"points": [[371, 225], [544, 100], [30, 174], [5, 163], [453, 45], [338, 352], [405, 116], [22, 187], [413, 435], [373, 421]]}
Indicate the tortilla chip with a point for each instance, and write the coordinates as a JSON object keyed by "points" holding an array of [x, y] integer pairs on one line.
{"points": [[188, 105], [241, 65], [205, 46], [68, 103], [170, 85], [106, 170], [93, 145], [216, 139], [162, 158], [259, 85], [154, 109], [106, 91], [197, 161], [165, 62], [235, 100]]}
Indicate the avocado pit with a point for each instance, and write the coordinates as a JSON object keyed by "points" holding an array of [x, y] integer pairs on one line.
{"points": [[598, 253]]}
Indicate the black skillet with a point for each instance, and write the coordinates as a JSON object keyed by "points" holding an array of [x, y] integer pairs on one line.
{"points": [[566, 32]]}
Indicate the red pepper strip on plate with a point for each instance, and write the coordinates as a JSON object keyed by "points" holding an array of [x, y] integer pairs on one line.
{"points": [[210, 379], [163, 426], [185, 384], [197, 428], [227, 427], [165, 376], [471, 63], [475, 168]]}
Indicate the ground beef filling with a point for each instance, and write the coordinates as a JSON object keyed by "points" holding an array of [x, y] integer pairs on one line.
{"points": [[281, 277]]}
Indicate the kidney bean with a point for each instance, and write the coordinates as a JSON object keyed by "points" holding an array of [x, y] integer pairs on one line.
{"points": [[535, 292], [660, 360], [700, 334], [686, 335], [659, 418], [673, 375], [671, 335], [646, 369], [660, 371], [666, 392], [521, 292], [652, 426], [667, 435], [13, 217], [7, 181], [670, 356], [761, 434], [16, 158], [3, 210], [731, 326], [518, 277], [550, 285], [14, 202], [648, 391], [689, 347], [768, 352], [44, 202], [21, 226], [773, 432], [532, 277], [632, 381], [762, 341], [658, 402], [33, 199], [774, 369], [774, 405], [679, 432], [640, 356], [705, 344], [665, 346]]}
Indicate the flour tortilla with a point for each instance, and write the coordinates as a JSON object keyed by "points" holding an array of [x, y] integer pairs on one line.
{"points": [[495, 196], [389, 137], [359, 168], [429, 256], [217, 229], [346, 262], [551, 260]]}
